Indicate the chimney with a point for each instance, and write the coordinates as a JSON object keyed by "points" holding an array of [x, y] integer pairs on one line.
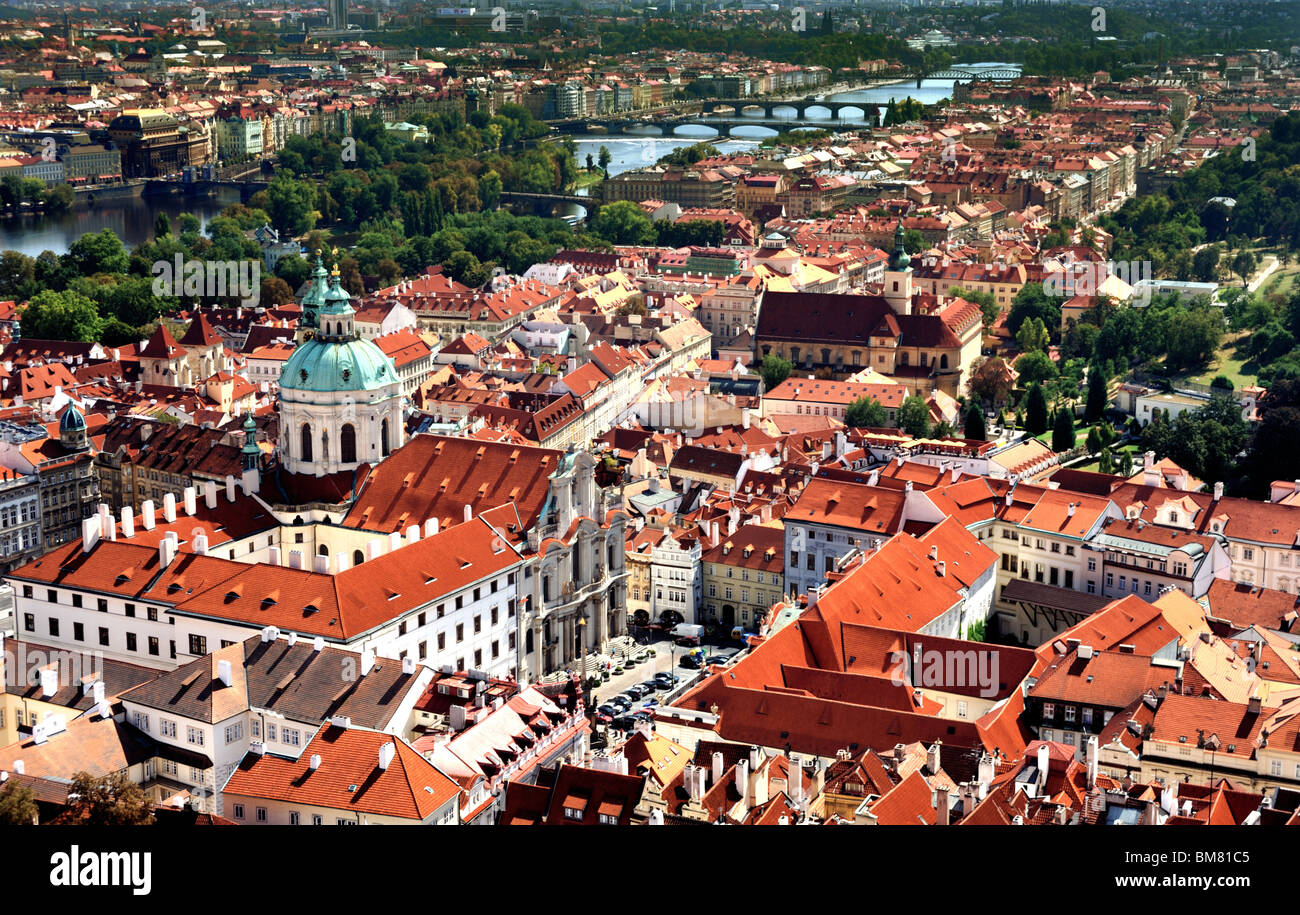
{"points": [[147, 520], [340, 562], [200, 544], [224, 673], [270, 634], [934, 552], [1044, 765], [321, 565], [430, 527], [1090, 755], [1218, 491], [413, 533], [941, 806], [273, 555], [169, 508], [89, 534], [386, 754], [395, 542], [191, 506], [167, 549], [230, 488], [932, 756], [469, 514], [367, 661], [940, 568], [210, 493], [49, 680], [717, 767], [1069, 511], [795, 781], [295, 559], [128, 522], [374, 548], [742, 778], [315, 762]]}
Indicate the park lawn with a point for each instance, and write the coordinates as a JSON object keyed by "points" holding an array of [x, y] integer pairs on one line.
{"points": [[1116, 454], [588, 178], [1230, 360], [1080, 435], [1283, 282]]}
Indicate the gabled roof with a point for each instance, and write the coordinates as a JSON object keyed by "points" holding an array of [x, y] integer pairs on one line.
{"points": [[348, 778]]}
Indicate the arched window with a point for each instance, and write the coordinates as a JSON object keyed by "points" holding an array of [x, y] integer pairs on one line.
{"points": [[348, 444], [358, 557], [306, 441], [383, 437], [323, 550], [943, 361]]}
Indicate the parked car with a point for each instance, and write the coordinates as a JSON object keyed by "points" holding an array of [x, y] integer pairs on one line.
{"points": [[622, 723], [622, 703], [667, 680], [650, 686], [634, 692], [610, 709], [717, 659], [602, 718]]}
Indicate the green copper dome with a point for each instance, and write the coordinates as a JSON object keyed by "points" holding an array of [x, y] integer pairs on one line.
{"points": [[324, 366]]}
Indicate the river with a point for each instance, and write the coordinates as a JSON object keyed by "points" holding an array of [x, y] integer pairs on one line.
{"points": [[133, 220]]}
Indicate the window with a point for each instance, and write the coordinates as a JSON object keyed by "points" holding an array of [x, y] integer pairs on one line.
{"points": [[79, 632], [234, 732], [1047, 734], [29, 622], [130, 610], [130, 641], [608, 819], [442, 640], [1049, 711], [460, 633], [194, 736], [54, 627], [1069, 714], [103, 635], [1092, 564], [270, 731], [76, 600], [290, 736], [317, 819], [293, 814], [198, 645], [572, 813], [166, 728], [261, 814], [305, 442], [478, 623], [239, 811], [961, 709], [478, 658], [140, 720], [153, 645], [496, 650]]}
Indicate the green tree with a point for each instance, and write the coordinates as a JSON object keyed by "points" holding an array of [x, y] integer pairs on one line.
{"points": [[774, 369], [914, 416], [913, 241], [1205, 264], [864, 412], [1033, 336], [1032, 302], [162, 226], [975, 427], [17, 805], [98, 252], [1036, 367], [110, 801], [989, 307], [1035, 410], [291, 204], [1097, 394], [1243, 264], [603, 159], [67, 315], [624, 223], [1063, 430]]}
